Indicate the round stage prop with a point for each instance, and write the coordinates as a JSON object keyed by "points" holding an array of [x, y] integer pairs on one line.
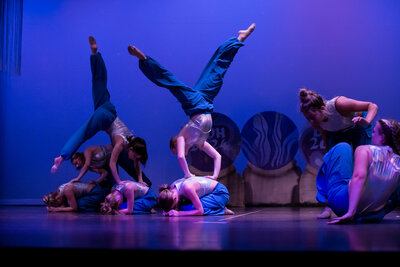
{"points": [[270, 140]]}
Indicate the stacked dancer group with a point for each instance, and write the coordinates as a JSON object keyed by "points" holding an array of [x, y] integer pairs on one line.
{"points": [[358, 180]]}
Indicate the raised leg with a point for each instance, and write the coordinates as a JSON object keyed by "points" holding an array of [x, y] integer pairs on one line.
{"points": [[156, 73], [211, 79]]}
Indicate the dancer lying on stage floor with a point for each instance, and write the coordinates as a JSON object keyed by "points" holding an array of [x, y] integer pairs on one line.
{"points": [[138, 199], [202, 195], [364, 187], [340, 119], [197, 102], [105, 119], [78, 196]]}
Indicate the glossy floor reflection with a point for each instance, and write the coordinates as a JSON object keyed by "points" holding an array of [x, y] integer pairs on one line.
{"points": [[254, 229]]}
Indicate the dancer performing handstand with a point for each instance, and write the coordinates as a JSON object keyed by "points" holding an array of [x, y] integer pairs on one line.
{"points": [[105, 119], [197, 102]]}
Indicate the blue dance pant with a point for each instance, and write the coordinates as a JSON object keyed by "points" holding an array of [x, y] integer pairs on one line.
{"points": [[144, 204], [213, 203], [92, 201], [334, 176], [198, 99], [104, 111]]}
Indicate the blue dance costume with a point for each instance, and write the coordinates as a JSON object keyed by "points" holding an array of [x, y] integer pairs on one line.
{"points": [[102, 119], [145, 198], [380, 193], [199, 99], [104, 111], [213, 200]]}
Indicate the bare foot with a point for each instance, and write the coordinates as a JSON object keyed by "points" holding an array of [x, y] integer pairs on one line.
{"points": [[93, 44], [136, 52], [57, 163], [325, 214], [228, 211], [243, 34]]}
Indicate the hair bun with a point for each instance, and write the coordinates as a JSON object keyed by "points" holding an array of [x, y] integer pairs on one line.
{"points": [[303, 93], [163, 187]]}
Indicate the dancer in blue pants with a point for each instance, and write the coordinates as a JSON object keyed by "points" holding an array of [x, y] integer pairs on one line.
{"points": [[105, 119], [194, 196], [129, 198], [197, 102], [365, 187]]}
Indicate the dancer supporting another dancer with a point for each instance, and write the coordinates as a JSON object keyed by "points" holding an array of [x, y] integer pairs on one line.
{"points": [[95, 159], [340, 119], [105, 119], [139, 199], [76, 196], [205, 196], [359, 188], [196, 102]]}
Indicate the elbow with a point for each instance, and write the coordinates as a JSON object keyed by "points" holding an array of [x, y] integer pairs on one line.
{"points": [[181, 157], [359, 178], [373, 107], [200, 211], [111, 164]]}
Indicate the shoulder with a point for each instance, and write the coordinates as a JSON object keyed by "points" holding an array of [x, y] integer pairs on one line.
{"points": [[69, 188], [190, 184], [131, 185], [363, 151]]}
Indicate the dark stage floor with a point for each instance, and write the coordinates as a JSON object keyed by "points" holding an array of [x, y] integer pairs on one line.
{"points": [[255, 229]]}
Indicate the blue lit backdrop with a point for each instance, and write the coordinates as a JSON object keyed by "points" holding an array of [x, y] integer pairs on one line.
{"points": [[346, 48]]}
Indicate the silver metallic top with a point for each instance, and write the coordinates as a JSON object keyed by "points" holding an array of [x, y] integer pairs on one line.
{"points": [[206, 185], [199, 128], [140, 191], [101, 159], [119, 128], [382, 180], [80, 188]]}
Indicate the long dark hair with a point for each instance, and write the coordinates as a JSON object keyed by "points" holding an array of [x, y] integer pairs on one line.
{"points": [[138, 145]]}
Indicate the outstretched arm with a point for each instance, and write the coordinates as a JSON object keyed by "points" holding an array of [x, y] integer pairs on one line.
{"points": [[88, 157], [361, 162], [213, 153], [345, 106], [138, 169], [181, 154], [118, 146]]}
